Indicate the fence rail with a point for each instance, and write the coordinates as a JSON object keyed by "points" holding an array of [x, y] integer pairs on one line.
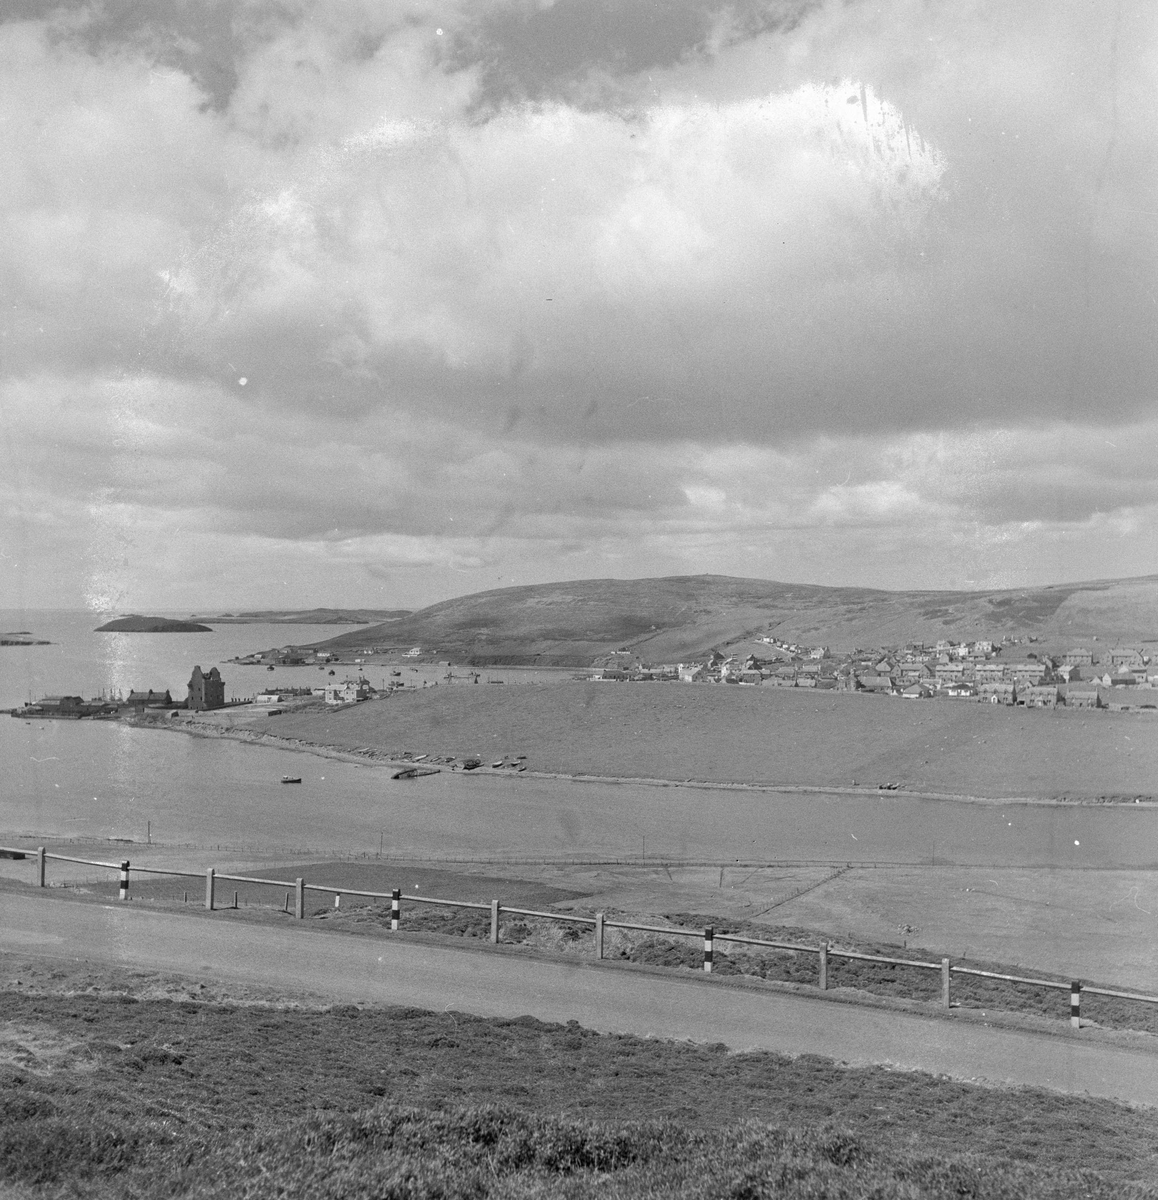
{"points": [[1047, 983], [549, 916], [244, 879], [823, 950], [881, 958]]}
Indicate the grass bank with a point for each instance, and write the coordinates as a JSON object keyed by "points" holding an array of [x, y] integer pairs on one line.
{"points": [[779, 736], [119, 1097], [978, 993]]}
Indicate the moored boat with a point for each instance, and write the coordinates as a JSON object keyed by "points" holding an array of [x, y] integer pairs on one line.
{"points": [[414, 772]]}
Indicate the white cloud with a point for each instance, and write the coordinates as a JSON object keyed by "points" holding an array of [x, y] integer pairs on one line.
{"points": [[743, 309], [137, 473]]}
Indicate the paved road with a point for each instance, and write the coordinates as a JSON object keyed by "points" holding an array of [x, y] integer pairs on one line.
{"points": [[488, 983]]}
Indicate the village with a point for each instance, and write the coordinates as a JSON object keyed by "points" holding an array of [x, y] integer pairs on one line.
{"points": [[1010, 672], [1121, 678]]}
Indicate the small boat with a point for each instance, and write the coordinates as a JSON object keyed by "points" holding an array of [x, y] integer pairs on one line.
{"points": [[291, 779], [414, 772]]}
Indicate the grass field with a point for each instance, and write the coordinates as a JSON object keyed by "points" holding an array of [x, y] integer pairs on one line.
{"points": [[107, 1095], [760, 735]]}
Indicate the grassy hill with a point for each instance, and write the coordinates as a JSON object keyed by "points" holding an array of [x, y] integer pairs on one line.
{"points": [[679, 617]]}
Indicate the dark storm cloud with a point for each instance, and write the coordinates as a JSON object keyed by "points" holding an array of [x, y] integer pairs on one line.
{"points": [[203, 38], [538, 52]]}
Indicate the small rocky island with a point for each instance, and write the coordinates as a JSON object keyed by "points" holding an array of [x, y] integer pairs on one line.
{"points": [[138, 624], [21, 637]]}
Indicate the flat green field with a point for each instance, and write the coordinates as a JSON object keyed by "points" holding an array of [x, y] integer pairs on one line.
{"points": [[759, 735]]}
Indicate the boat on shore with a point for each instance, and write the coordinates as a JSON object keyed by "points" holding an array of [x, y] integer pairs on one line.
{"points": [[414, 772]]}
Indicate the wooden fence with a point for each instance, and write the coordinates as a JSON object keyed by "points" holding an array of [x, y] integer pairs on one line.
{"points": [[599, 923]]}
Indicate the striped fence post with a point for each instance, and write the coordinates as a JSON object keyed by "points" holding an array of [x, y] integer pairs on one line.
{"points": [[299, 898], [210, 877], [1076, 1004], [709, 938], [822, 975], [945, 983], [40, 864], [495, 907], [395, 909], [124, 895], [598, 935]]}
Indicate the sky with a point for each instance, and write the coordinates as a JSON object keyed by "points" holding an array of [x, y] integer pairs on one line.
{"points": [[329, 302]]}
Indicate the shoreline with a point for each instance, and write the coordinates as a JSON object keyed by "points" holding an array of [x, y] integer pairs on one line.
{"points": [[375, 757]]}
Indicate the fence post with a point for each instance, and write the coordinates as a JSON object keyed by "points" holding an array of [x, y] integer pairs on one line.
{"points": [[299, 899], [210, 876], [1076, 1004], [945, 983], [125, 880], [395, 909], [40, 866], [598, 935], [822, 978], [495, 921], [709, 937]]}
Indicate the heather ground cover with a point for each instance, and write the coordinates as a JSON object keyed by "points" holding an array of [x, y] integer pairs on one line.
{"points": [[115, 1096]]}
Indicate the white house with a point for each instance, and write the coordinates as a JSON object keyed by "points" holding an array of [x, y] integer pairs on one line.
{"points": [[347, 692]]}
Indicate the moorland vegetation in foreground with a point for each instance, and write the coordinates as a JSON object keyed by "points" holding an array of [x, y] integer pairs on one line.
{"points": [[105, 1095]]}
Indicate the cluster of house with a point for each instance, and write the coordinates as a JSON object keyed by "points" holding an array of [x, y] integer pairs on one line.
{"points": [[1122, 678], [349, 691], [309, 656], [206, 691]]}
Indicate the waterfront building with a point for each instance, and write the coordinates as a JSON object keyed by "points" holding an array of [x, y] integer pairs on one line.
{"points": [[206, 690]]}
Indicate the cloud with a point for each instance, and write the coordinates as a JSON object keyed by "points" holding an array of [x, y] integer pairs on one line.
{"points": [[604, 274], [148, 466], [548, 285]]}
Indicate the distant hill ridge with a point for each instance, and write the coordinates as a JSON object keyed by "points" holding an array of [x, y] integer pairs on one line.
{"points": [[310, 616], [681, 617]]}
